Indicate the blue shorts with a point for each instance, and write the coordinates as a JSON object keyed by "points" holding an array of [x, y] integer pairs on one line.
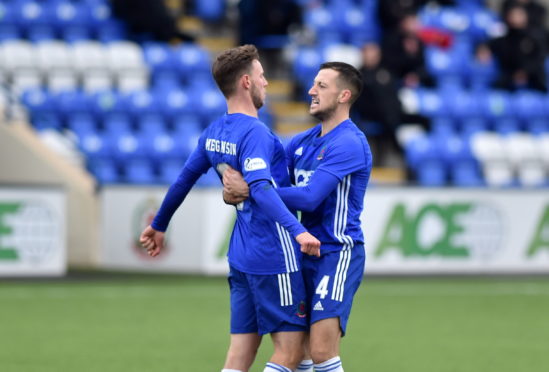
{"points": [[332, 281], [267, 303]]}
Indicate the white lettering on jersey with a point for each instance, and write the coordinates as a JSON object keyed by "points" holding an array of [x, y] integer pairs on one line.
{"points": [[302, 176], [222, 147], [253, 164]]}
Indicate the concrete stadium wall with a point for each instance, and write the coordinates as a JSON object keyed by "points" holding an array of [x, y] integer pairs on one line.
{"points": [[26, 161]]}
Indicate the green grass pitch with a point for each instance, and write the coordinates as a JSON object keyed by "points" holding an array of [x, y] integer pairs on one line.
{"points": [[123, 323]]}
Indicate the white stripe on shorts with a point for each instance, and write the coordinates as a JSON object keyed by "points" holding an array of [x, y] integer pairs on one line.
{"points": [[285, 289]]}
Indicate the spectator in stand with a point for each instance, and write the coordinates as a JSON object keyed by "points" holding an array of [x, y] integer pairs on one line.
{"points": [[149, 17], [378, 110], [536, 12], [403, 53], [391, 12], [520, 53]]}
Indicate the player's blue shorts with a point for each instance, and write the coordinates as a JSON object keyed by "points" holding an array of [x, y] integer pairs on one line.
{"points": [[267, 303], [332, 281]]}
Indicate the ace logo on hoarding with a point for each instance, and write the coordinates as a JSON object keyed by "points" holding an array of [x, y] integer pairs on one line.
{"points": [[28, 232], [453, 231]]}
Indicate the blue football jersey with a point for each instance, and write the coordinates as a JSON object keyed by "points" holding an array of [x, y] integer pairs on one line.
{"points": [[258, 244], [343, 152]]}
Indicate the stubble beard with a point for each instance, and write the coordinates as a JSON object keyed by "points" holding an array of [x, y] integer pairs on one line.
{"points": [[325, 114], [256, 98]]}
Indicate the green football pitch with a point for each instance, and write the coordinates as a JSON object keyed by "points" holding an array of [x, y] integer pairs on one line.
{"points": [[114, 322]]}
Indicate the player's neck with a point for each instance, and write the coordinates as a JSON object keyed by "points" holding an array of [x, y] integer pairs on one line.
{"points": [[241, 105], [332, 122]]}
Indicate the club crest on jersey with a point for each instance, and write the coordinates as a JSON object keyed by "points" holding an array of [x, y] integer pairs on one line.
{"points": [[320, 155], [301, 309], [253, 164], [299, 151]]}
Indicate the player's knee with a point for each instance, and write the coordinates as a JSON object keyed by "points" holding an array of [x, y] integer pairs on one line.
{"points": [[322, 352], [288, 357]]}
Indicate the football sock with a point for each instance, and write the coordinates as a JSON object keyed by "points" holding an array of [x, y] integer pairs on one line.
{"points": [[273, 367], [331, 365], [305, 366]]}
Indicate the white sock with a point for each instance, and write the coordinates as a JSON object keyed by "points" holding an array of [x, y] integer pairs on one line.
{"points": [[306, 365], [331, 365], [230, 370], [273, 367]]}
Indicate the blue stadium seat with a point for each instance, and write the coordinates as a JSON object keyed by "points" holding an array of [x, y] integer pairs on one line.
{"points": [[445, 64], [160, 147], [151, 124], [139, 171], [506, 125], [421, 150], [188, 124], [462, 105], [305, 66], [210, 10], [537, 126], [529, 105], [209, 103], [117, 123], [65, 14], [111, 30], [72, 102], [175, 103], [186, 139], [81, 123], [169, 170], [44, 121], [28, 13], [191, 60], [471, 126], [124, 146], [39, 33], [104, 170], [143, 103], [164, 80], [75, 34], [431, 103], [94, 145], [8, 31], [442, 126], [431, 173], [107, 103], [495, 104], [38, 100], [159, 57], [466, 174]]}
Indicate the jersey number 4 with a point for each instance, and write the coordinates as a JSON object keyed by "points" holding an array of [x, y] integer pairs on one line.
{"points": [[322, 288]]}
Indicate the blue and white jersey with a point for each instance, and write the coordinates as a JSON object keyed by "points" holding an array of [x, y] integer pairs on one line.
{"points": [[258, 245], [343, 152]]}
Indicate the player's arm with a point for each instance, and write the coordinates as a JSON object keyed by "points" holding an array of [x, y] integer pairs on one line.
{"points": [[308, 198], [340, 160], [235, 189], [265, 196], [152, 238], [257, 147]]}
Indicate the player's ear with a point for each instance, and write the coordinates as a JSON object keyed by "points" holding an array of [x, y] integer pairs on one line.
{"points": [[246, 81], [344, 96]]}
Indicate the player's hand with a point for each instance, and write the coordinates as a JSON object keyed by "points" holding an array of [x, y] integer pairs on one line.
{"points": [[152, 240], [235, 189], [309, 244]]}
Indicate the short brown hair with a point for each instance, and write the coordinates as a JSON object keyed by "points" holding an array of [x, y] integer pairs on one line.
{"points": [[231, 64], [348, 75]]}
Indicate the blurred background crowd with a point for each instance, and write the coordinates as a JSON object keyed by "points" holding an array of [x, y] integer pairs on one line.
{"points": [[455, 91]]}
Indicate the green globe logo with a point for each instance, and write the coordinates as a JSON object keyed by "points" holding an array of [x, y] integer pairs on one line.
{"points": [[28, 232], [483, 231]]}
